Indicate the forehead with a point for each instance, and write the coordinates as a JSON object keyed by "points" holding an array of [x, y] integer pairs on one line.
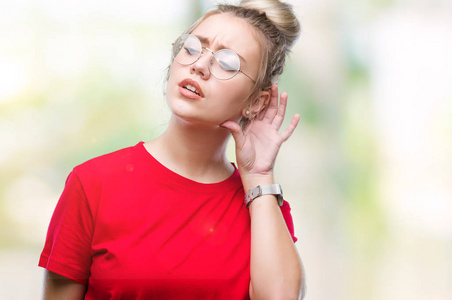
{"points": [[229, 31]]}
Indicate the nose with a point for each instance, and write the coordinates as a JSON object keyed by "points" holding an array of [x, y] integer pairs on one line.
{"points": [[201, 66]]}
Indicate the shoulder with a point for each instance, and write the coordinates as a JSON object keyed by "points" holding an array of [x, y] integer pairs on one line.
{"points": [[103, 165]]}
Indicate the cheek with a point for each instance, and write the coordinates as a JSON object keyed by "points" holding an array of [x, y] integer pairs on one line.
{"points": [[171, 81], [239, 94], [169, 74]]}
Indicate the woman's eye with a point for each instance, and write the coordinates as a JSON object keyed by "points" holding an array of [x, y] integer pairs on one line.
{"points": [[191, 51], [227, 66]]}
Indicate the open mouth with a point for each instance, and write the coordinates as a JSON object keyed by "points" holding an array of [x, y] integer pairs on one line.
{"points": [[191, 89]]}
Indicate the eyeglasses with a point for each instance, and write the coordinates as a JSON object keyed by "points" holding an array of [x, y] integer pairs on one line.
{"points": [[223, 65]]}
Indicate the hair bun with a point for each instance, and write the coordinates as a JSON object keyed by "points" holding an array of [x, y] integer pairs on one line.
{"points": [[280, 14]]}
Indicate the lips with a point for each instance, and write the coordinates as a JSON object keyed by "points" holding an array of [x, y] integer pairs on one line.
{"points": [[191, 89]]}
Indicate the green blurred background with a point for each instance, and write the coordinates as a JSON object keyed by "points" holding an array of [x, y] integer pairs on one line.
{"points": [[368, 172]]}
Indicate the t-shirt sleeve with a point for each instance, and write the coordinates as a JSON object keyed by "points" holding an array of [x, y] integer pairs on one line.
{"points": [[285, 209], [67, 249]]}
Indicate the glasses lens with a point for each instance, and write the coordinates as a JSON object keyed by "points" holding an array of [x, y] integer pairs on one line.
{"points": [[225, 65], [187, 49]]}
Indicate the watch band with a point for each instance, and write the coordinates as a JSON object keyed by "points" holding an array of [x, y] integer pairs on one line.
{"points": [[269, 189]]}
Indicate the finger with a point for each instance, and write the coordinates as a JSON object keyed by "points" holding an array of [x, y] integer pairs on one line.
{"points": [[270, 113], [236, 132], [290, 129], [279, 118]]}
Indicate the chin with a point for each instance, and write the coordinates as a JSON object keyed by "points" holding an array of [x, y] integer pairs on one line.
{"points": [[195, 121]]}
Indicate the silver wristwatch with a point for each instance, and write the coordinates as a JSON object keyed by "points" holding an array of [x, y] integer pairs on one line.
{"points": [[269, 189]]}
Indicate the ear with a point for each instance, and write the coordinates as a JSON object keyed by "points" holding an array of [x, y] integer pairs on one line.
{"points": [[258, 104]]}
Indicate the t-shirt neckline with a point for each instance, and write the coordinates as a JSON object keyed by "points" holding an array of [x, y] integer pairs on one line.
{"points": [[172, 178]]}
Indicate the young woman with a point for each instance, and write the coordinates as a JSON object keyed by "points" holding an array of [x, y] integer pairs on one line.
{"points": [[166, 219]]}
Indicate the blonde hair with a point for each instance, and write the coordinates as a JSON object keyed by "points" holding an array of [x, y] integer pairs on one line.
{"points": [[278, 29]]}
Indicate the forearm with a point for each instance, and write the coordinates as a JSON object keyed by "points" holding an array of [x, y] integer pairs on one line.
{"points": [[276, 271]]}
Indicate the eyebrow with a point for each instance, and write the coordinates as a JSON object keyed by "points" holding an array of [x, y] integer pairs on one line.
{"points": [[206, 40]]}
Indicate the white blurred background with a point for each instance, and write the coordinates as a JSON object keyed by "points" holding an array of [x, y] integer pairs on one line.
{"points": [[368, 172]]}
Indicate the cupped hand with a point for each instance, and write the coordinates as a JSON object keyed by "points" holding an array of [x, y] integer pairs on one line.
{"points": [[258, 144]]}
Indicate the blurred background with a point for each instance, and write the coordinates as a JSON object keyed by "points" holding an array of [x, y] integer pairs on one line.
{"points": [[368, 172]]}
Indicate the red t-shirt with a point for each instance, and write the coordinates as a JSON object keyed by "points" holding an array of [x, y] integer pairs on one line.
{"points": [[130, 228]]}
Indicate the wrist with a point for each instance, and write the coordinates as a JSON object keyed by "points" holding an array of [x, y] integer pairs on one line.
{"points": [[263, 191], [250, 181], [263, 203]]}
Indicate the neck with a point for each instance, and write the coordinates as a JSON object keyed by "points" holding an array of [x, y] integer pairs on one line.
{"points": [[195, 152]]}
